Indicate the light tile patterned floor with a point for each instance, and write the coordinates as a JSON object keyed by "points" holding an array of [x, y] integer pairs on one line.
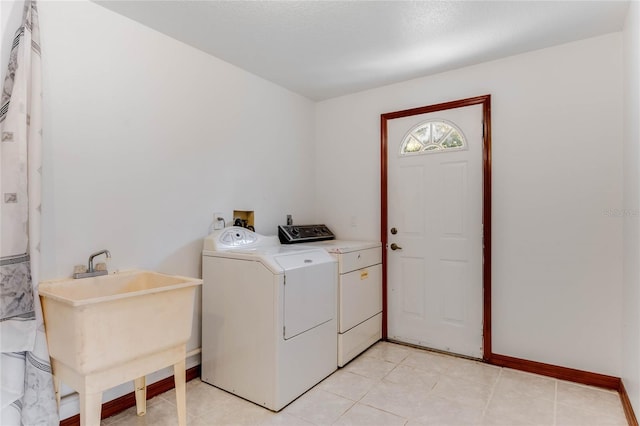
{"points": [[397, 385]]}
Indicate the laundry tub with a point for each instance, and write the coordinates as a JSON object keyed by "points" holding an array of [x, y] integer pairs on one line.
{"points": [[107, 330]]}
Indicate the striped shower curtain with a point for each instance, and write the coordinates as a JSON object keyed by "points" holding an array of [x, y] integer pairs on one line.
{"points": [[27, 396]]}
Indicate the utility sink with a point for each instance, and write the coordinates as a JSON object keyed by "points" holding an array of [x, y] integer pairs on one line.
{"points": [[96, 323], [111, 287], [106, 330]]}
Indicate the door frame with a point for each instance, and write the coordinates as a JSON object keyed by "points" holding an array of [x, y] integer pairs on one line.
{"points": [[485, 101]]}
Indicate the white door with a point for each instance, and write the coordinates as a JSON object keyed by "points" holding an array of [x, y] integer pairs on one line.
{"points": [[434, 217]]}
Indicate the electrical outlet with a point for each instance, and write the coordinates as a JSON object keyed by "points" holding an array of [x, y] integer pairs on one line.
{"points": [[218, 221]]}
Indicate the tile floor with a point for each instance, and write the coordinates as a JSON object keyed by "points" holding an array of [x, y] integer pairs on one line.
{"points": [[397, 385]]}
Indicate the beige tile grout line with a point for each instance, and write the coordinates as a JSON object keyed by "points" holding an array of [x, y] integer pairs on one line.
{"points": [[493, 390], [406, 420]]}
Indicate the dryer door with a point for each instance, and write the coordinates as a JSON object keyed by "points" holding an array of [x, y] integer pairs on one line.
{"points": [[309, 294]]}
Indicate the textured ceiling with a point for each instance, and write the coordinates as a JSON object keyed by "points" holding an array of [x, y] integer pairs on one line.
{"points": [[324, 49]]}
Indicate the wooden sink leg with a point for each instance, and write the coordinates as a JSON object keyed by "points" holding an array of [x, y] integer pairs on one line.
{"points": [[90, 408], [141, 395], [180, 376], [56, 387]]}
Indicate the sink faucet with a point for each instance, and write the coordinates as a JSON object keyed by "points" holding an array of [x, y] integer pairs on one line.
{"points": [[98, 253], [91, 272]]}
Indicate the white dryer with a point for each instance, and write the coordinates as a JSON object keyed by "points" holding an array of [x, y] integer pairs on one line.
{"points": [[268, 316], [359, 294], [359, 285]]}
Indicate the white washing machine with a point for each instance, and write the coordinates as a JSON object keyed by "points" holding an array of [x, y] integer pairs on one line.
{"points": [[269, 316]]}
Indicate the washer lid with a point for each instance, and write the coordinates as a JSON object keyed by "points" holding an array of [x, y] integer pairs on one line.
{"points": [[303, 258]]}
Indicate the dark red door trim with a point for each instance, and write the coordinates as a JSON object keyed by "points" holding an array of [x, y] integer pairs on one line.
{"points": [[485, 101]]}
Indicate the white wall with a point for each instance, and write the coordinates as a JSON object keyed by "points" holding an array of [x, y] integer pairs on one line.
{"points": [[557, 172], [631, 285], [146, 137]]}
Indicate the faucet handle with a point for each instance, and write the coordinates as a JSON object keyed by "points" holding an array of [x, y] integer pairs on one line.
{"points": [[101, 266], [79, 269]]}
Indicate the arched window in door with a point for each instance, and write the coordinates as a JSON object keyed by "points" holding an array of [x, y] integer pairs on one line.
{"points": [[433, 136]]}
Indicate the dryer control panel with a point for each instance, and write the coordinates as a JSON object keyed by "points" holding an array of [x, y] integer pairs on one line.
{"points": [[291, 234]]}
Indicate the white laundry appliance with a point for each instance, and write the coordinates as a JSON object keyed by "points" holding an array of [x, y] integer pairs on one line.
{"points": [[359, 285], [269, 316]]}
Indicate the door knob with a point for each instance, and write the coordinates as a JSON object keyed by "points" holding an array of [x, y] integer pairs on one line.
{"points": [[394, 246]]}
